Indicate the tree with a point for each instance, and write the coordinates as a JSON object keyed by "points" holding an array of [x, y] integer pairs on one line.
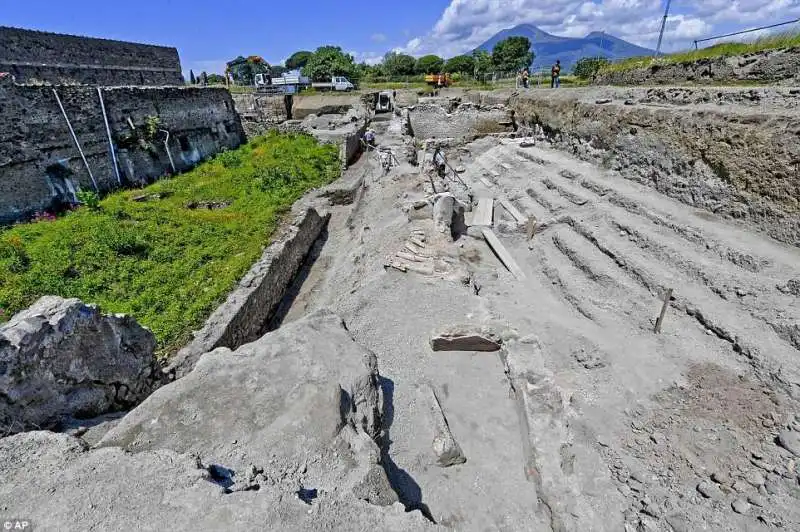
{"points": [[512, 54], [587, 67], [278, 70], [192, 79], [204, 78], [460, 63], [397, 64], [329, 61], [298, 60], [216, 79], [243, 70], [483, 62], [429, 64]]}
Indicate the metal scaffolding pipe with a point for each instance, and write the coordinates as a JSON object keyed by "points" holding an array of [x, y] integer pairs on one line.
{"points": [[75, 139]]}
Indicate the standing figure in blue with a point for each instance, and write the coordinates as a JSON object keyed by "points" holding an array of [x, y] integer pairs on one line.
{"points": [[555, 81]]}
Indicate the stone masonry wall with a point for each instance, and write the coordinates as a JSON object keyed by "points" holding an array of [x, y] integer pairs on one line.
{"points": [[40, 165], [245, 315], [35, 56]]}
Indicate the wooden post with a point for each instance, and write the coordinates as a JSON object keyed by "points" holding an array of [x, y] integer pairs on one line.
{"points": [[660, 319]]}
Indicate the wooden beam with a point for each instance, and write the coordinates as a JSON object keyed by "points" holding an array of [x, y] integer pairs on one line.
{"points": [[502, 253], [484, 212], [660, 320], [508, 206]]}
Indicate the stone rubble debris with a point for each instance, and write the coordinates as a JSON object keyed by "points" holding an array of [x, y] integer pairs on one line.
{"points": [[61, 358]]}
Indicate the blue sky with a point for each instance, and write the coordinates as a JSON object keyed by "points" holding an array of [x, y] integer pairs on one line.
{"points": [[209, 33]]}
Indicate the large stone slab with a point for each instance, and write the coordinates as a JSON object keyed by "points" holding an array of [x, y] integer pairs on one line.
{"points": [[61, 358], [466, 338], [302, 403], [55, 483]]}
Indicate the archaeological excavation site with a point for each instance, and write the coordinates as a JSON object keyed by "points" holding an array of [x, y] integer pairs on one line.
{"points": [[549, 310]]}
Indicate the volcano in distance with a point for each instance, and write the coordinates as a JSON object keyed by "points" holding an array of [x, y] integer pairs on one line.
{"points": [[548, 48]]}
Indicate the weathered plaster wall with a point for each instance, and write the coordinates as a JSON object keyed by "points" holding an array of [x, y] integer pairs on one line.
{"points": [[39, 161], [67, 59]]}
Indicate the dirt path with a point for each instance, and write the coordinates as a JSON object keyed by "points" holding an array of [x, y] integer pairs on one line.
{"points": [[588, 420]]}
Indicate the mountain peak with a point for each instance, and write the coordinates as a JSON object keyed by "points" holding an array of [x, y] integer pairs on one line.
{"points": [[548, 48]]}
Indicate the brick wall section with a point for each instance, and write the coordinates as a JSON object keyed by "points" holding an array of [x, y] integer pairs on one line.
{"points": [[36, 140], [68, 59]]}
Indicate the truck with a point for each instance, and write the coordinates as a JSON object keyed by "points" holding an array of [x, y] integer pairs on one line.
{"points": [[287, 83], [439, 80], [337, 83]]}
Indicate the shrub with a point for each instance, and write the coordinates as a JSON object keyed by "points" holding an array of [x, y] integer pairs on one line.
{"points": [[89, 199]]}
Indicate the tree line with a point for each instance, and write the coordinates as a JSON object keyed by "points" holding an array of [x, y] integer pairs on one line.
{"points": [[509, 55]]}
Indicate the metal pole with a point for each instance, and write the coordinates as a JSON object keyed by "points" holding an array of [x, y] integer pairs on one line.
{"points": [[108, 132], [166, 147], [75, 139], [663, 25]]}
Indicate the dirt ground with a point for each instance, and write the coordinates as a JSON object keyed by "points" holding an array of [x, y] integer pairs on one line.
{"points": [[587, 419]]}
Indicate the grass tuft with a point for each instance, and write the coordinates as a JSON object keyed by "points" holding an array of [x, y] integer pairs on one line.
{"points": [[152, 253]]}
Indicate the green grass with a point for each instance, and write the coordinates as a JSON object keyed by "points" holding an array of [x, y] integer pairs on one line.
{"points": [[725, 49], [159, 260]]}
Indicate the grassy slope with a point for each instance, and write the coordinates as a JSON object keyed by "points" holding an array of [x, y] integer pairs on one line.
{"points": [[158, 260], [783, 40]]}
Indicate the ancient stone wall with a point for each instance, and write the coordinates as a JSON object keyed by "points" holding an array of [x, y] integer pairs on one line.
{"points": [[245, 315], [40, 165], [35, 56], [261, 112]]}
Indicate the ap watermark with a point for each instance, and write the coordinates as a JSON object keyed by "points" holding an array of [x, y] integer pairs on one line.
{"points": [[16, 524]]}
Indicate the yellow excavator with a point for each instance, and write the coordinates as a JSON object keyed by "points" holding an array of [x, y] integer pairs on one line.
{"points": [[438, 80]]}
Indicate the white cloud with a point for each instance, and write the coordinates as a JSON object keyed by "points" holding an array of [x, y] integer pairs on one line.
{"points": [[378, 37], [465, 24], [370, 58]]}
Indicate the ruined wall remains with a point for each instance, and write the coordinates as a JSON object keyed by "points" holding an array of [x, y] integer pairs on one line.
{"points": [[464, 121], [40, 165], [774, 66], [261, 112], [714, 149], [245, 315], [35, 56]]}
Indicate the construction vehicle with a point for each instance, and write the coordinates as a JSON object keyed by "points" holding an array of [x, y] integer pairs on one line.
{"points": [[438, 80], [288, 83], [337, 83], [385, 103]]}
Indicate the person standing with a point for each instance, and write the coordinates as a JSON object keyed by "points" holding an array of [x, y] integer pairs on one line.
{"points": [[526, 78], [555, 73]]}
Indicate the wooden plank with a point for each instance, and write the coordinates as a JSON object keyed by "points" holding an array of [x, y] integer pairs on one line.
{"points": [[530, 227], [507, 205], [411, 257], [483, 212], [487, 183], [502, 253], [664, 307]]}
